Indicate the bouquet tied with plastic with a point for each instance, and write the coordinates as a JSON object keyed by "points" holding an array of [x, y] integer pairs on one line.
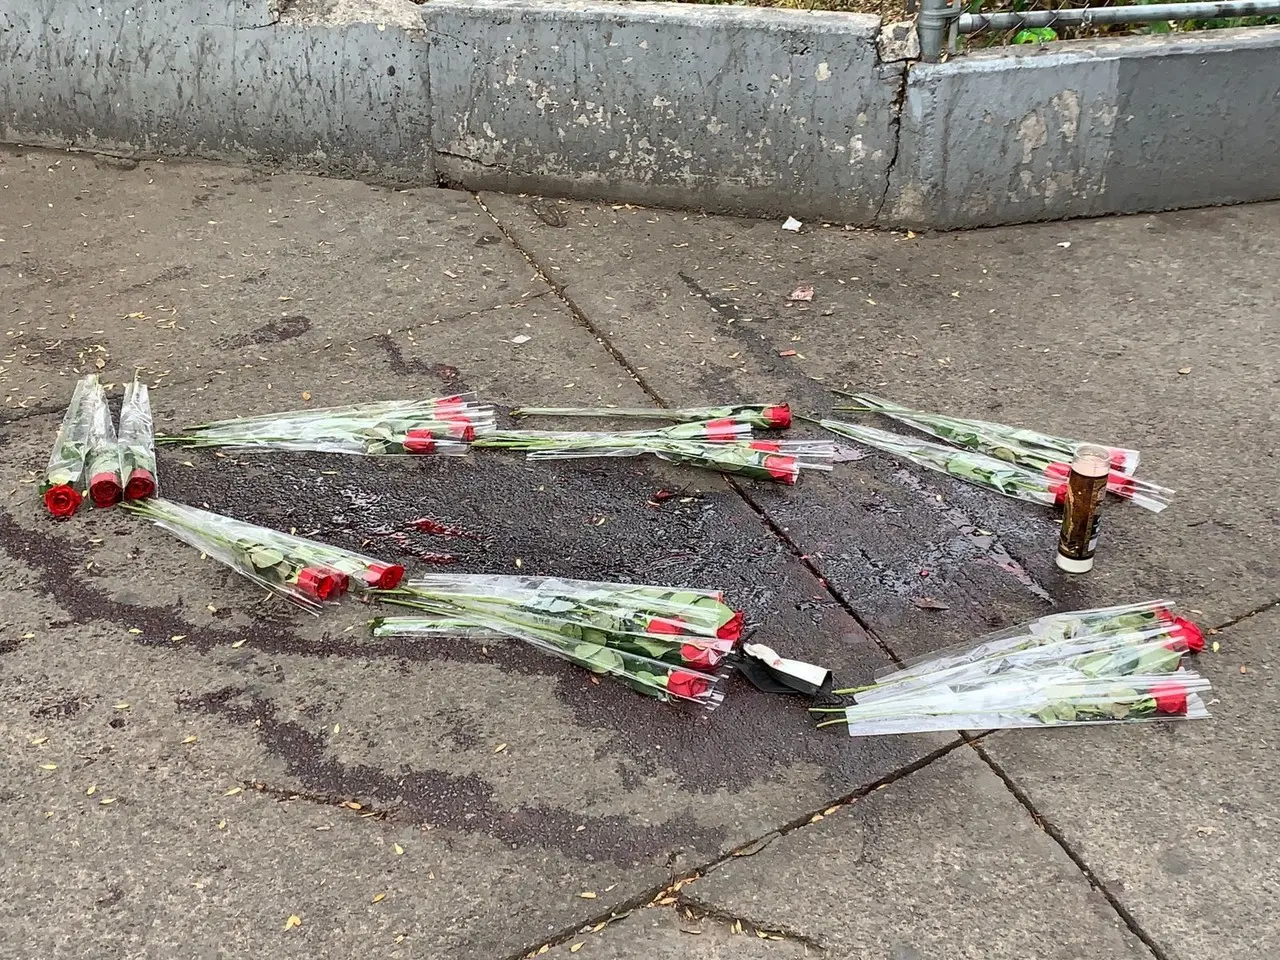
{"points": [[766, 416], [1038, 452], [64, 477], [724, 445], [443, 426], [137, 443], [1109, 664], [667, 642], [306, 572]]}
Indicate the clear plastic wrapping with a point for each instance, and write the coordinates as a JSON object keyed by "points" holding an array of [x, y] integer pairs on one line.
{"points": [[976, 468], [664, 641], [64, 477], [1038, 452], [306, 572], [1108, 664], [766, 416], [137, 443], [1048, 699], [443, 426], [102, 466]]}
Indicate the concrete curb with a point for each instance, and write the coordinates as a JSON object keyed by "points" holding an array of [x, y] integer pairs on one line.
{"points": [[1090, 128], [336, 88], [729, 109]]}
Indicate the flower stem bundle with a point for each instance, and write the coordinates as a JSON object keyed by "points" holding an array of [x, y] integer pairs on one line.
{"points": [[102, 465], [137, 443], [1093, 666], [976, 468], [766, 416], [304, 571], [1038, 452], [63, 480], [670, 643], [724, 445], [441, 426]]}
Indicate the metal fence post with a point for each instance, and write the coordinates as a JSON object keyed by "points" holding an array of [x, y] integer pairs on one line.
{"points": [[932, 22]]}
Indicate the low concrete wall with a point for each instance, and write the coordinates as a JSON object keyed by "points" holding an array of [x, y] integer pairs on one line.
{"points": [[775, 112], [1085, 128], [335, 87], [730, 109]]}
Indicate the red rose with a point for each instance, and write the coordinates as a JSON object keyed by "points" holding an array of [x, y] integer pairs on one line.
{"points": [[340, 580], [778, 417], [768, 446], [1058, 471], [671, 627], [1118, 458], [1188, 633], [1120, 484], [104, 490], [1059, 491], [688, 685], [732, 629], [1170, 699], [316, 583], [782, 468], [460, 429], [722, 431], [62, 501], [419, 441], [696, 656], [384, 576], [140, 486]]}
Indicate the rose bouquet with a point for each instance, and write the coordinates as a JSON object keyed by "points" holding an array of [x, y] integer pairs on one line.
{"points": [[1046, 699], [1115, 663], [976, 468], [304, 571], [63, 480], [766, 416], [666, 642], [1036, 451], [102, 465], [137, 443], [442, 426], [715, 445], [1054, 629]]}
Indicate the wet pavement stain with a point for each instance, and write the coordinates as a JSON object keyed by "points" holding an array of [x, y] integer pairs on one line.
{"points": [[987, 543], [463, 803], [274, 331]]}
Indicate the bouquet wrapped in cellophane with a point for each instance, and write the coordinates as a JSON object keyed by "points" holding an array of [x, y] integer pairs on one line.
{"points": [[102, 465], [63, 483], [137, 443], [1092, 666], [441, 426], [304, 571], [1039, 452], [670, 643], [976, 468], [724, 445], [766, 416]]}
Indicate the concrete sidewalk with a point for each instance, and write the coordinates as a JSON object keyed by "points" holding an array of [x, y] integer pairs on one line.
{"points": [[456, 801]]}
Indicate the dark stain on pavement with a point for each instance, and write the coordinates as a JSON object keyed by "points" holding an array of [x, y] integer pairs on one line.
{"points": [[463, 803], [446, 374], [274, 331]]}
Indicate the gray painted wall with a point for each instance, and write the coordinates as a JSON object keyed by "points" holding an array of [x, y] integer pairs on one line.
{"points": [[1077, 129], [228, 79], [738, 109], [729, 109]]}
